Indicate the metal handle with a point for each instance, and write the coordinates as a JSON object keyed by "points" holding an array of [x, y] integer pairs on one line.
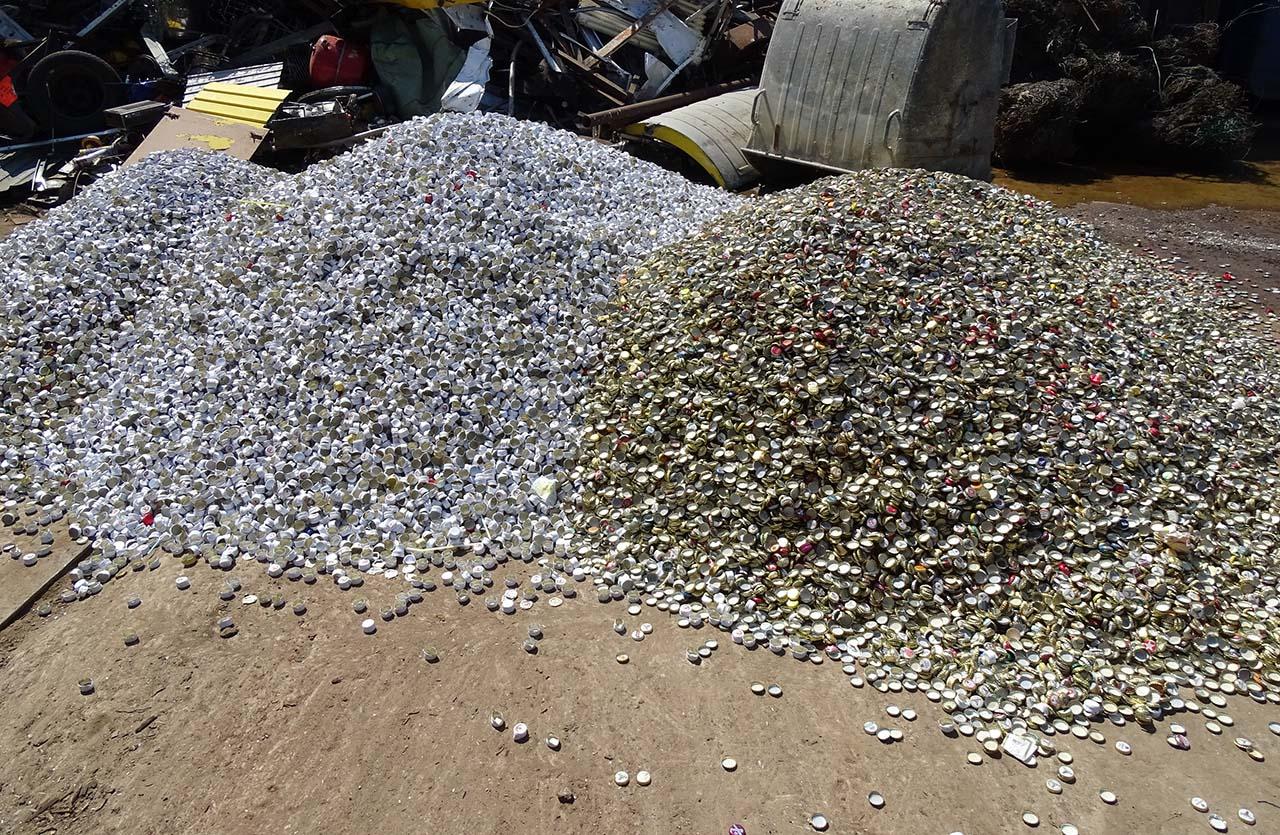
{"points": [[895, 115]]}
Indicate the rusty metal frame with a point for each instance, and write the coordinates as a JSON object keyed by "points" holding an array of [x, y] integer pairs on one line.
{"points": [[632, 29]]}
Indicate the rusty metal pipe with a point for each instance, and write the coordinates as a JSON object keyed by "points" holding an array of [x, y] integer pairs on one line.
{"points": [[628, 113]]}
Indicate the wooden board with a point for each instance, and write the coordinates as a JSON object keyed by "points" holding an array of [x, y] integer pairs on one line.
{"points": [[187, 129], [21, 585]]}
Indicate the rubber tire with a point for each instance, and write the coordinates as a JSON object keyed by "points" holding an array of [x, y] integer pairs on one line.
{"points": [[67, 91], [325, 94]]}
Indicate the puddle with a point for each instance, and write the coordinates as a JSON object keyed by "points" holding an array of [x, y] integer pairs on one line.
{"points": [[1248, 185]]}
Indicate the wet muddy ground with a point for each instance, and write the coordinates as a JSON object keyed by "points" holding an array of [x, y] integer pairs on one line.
{"points": [[1241, 245], [1253, 185]]}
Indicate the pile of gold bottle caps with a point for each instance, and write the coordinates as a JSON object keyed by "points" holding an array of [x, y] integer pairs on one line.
{"points": [[933, 429]]}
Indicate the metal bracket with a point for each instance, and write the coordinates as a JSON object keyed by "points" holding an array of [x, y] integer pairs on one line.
{"points": [[11, 30], [198, 43], [102, 18], [894, 118], [161, 57]]}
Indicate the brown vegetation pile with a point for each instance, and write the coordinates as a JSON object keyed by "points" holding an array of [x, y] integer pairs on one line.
{"points": [[1190, 46], [1128, 93], [1036, 122], [1113, 87], [1204, 118]]}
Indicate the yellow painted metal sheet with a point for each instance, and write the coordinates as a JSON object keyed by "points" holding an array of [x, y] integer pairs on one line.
{"points": [[238, 102], [683, 143], [711, 133]]}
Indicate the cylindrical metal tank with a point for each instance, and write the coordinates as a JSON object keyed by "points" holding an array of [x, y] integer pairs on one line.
{"points": [[853, 84]]}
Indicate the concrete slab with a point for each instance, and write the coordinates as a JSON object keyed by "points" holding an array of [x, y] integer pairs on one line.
{"points": [[21, 585]]}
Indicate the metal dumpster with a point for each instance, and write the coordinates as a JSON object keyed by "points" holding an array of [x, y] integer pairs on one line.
{"points": [[852, 84]]}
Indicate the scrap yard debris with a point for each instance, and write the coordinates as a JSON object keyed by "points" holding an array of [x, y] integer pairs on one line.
{"points": [[685, 82], [318, 76]]}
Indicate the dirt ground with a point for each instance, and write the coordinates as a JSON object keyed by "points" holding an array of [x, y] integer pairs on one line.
{"points": [[10, 220], [304, 724], [1213, 240], [20, 588]]}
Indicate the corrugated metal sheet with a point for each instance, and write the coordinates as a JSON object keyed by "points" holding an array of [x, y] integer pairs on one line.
{"points": [[263, 75], [238, 103], [676, 33], [834, 73], [712, 132]]}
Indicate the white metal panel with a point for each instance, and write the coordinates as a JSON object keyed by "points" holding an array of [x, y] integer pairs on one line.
{"points": [[263, 75]]}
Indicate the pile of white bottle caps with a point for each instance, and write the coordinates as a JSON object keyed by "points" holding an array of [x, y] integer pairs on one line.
{"points": [[379, 354], [70, 283]]}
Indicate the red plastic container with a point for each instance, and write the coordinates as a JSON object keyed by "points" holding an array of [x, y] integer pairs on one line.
{"points": [[337, 62], [7, 93]]}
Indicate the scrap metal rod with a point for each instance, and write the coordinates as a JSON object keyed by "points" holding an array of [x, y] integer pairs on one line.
{"points": [[280, 44], [627, 34], [42, 142], [644, 109], [100, 19], [552, 63]]}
